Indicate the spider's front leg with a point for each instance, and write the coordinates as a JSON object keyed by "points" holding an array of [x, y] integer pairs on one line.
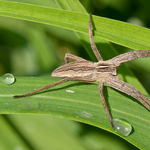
{"points": [[130, 56], [43, 88], [93, 46], [100, 87]]}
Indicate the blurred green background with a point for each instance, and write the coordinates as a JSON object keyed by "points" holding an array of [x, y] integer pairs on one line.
{"points": [[21, 43]]}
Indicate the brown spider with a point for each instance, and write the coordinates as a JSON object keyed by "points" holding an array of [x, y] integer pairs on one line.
{"points": [[101, 71]]}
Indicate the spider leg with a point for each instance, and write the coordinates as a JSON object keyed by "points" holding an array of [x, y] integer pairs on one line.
{"points": [[43, 88], [73, 57], [93, 46], [128, 89], [100, 87], [130, 56]]}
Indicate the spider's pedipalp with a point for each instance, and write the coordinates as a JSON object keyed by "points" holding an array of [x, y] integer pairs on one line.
{"points": [[73, 57]]}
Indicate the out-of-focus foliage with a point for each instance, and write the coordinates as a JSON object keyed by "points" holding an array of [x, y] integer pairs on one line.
{"points": [[31, 49]]}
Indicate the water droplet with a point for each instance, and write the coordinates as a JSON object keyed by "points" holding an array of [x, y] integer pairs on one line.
{"points": [[70, 91], [61, 116], [26, 105], [8, 78], [122, 127], [18, 148], [84, 114]]}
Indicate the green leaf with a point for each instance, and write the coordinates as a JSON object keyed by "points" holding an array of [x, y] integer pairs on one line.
{"points": [[115, 31], [84, 105]]}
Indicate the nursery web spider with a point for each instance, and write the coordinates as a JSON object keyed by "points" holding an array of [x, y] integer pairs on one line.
{"points": [[101, 71]]}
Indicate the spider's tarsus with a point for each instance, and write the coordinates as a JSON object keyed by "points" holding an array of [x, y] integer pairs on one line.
{"points": [[90, 20], [17, 96], [112, 125], [90, 16]]}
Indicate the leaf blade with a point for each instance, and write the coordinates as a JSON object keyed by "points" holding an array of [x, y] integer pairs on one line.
{"points": [[83, 105], [111, 30]]}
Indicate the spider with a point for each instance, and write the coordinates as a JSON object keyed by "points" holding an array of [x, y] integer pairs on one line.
{"points": [[101, 71]]}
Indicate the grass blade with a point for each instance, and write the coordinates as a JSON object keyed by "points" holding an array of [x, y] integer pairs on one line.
{"points": [[83, 105], [125, 34]]}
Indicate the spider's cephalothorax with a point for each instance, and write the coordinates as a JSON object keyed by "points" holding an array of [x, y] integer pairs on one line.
{"points": [[101, 71]]}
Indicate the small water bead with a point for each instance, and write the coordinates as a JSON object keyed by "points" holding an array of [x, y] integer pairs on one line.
{"points": [[84, 114], [26, 105], [8, 78], [70, 91], [122, 127]]}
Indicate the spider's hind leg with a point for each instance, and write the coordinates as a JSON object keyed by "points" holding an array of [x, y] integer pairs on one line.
{"points": [[128, 89]]}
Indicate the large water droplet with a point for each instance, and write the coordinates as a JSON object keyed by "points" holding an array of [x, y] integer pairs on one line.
{"points": [[122, 127], [26, 105], [8, 78]]}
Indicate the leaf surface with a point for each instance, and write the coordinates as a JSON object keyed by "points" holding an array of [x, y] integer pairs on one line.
{"points": [[125, 34], [83, 105]]}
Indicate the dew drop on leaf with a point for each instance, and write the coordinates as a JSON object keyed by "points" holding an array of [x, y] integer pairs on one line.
{"points": [[84, 114], [8, 78], [123, 127], [26, 105]]}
